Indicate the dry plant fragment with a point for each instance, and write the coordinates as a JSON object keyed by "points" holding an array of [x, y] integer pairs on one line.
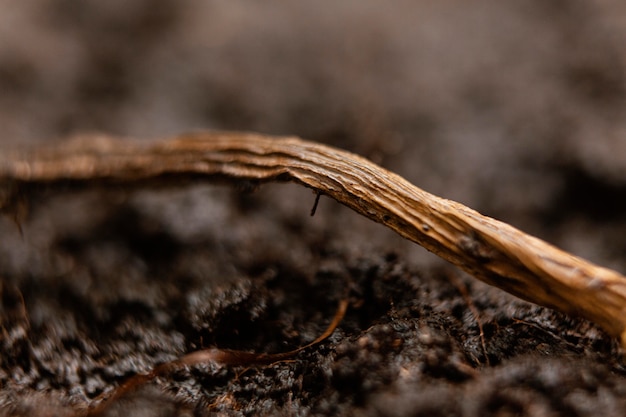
{"points": [[216, 356], [490, 250]]}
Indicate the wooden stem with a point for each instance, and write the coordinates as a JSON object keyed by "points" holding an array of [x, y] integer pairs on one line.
{"points": [[490, 250]]}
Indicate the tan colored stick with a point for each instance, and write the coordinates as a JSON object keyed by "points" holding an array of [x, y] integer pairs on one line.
{"points": [[492, 251]]}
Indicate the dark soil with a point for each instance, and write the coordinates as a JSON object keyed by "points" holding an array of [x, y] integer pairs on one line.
{"points": [[515, 109]]}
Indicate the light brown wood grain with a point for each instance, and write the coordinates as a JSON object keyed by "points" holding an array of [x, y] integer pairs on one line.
{"points": [[490, 250]]}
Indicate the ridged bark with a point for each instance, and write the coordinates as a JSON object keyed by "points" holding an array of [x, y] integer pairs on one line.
{"points": [[490, 250]]}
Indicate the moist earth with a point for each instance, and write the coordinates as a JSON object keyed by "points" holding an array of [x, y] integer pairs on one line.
{"points": [[514, 109]]}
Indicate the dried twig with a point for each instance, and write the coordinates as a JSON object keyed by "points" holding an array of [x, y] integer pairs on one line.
{"points": [[215, 356], [490, 250]]}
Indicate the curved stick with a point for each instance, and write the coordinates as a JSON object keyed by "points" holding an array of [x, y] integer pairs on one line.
{"points": [[211, 355], [490, 250]]}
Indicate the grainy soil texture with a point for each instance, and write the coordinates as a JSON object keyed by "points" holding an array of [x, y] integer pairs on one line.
{"points": [[516, 109]]}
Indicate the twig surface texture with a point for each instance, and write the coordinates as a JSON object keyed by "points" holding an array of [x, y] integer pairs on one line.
{"points": [[490, 250]]}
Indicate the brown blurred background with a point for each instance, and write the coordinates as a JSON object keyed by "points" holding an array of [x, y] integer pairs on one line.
{"points": [[517, 109]]}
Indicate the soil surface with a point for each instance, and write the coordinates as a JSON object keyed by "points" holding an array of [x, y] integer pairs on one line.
{"points": [[516, 109]]}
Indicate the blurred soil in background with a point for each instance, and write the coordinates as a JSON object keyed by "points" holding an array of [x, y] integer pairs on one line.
{"points": [[517, 109]]}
